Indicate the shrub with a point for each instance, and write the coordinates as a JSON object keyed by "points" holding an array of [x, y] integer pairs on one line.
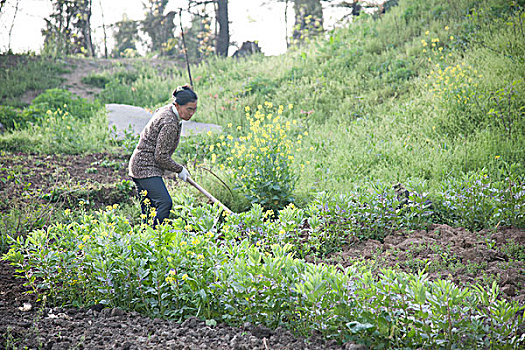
{"points": [[96, 80], [9, 117], [263, 159], [478, 201], [59, 99], [59, 132]]}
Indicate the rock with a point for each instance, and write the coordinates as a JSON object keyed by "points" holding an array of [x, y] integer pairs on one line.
{"points": [[125, 119], [348, 346], [26, 307]]}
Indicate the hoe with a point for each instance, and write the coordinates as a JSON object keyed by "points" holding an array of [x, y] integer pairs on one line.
{"points": [[207, 194]]}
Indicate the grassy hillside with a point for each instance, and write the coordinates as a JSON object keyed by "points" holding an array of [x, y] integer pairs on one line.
{"points": [[429, 92]]}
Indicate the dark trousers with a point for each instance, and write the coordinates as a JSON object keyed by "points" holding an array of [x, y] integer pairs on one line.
{"points": [[158, 195]]}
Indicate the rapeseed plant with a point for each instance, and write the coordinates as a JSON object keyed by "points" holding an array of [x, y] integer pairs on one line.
{"points": [[262, 158]]}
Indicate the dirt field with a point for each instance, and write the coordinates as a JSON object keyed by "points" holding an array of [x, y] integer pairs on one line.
{"points": [[451, 253]]}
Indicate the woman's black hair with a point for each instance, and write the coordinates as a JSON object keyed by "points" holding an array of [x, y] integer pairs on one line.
{"points": [[183, 95]]}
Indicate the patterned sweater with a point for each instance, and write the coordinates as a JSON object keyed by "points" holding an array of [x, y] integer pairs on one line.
{"points": [[157, 142]]}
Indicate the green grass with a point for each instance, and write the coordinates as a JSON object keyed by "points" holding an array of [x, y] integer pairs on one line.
{"points": [[21, 73], [365, 94], [370, 95]]}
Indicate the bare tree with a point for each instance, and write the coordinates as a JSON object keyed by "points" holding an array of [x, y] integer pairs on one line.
{"points": [[12, 23]]}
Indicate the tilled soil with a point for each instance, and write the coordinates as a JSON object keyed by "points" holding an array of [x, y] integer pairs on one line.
{"points": [[466, 258], [451, 253], [27, 324]]}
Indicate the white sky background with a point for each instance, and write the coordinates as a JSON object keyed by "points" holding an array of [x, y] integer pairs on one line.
{"points": [[261, 20]]}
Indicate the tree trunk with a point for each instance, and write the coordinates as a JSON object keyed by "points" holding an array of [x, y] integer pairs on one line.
{"points": [[308, 19], [88, 42], [223, 38]]}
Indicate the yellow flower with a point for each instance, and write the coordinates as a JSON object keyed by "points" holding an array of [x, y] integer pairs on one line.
{"points": [[209, 234], [497, 157], [200, 257], [67, 211], [185, 277], [183, 243], [427, 32], [290, 106], [451, 37], [144, 193], [209, 133], [446, 28], [247, 108]]}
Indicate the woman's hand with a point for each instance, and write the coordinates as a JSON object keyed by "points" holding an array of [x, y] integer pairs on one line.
{"points": [[184, 174]]}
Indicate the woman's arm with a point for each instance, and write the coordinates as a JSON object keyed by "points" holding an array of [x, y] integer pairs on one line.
{"points": [[167, 142]]}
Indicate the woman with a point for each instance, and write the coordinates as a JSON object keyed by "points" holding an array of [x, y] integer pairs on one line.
{"points": [[152, 156]]}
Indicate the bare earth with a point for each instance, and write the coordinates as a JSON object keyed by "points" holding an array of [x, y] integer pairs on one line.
{"points": [[466, 257]]}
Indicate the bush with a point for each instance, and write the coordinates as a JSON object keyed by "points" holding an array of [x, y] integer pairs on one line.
{"points": [[59, 132], [478, 201], [9, 117], [262, 160], [59, 99]]}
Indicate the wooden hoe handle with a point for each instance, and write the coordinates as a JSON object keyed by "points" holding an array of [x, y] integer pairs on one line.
{"points": [[207, 194]]}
